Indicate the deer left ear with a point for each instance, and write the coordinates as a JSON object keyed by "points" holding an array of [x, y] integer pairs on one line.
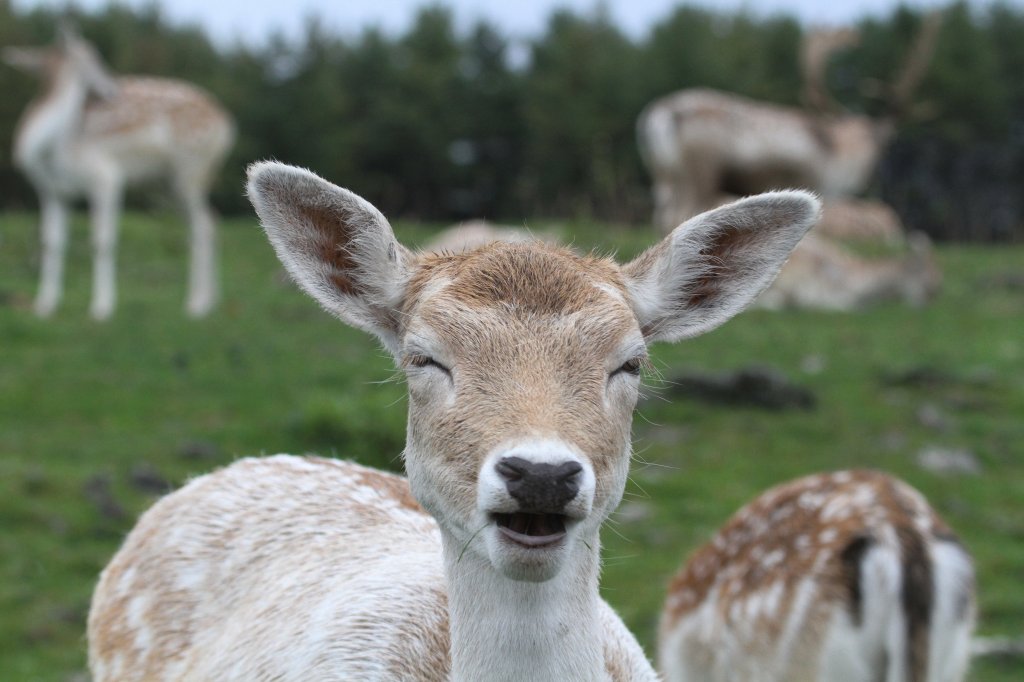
{"points": [[336, 246], [714, 265]]}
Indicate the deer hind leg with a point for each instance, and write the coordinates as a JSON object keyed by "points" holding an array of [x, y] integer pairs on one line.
{"points": [[865, 640], [202, 279], [953, 613], [54, 240], [105, 211]]}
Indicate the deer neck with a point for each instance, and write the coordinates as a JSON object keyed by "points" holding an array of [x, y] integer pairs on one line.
{"points": [[503, 629], [49, 124]]}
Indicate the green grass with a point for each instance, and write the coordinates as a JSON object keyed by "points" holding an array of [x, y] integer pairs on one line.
{"points": [[86, 408]]}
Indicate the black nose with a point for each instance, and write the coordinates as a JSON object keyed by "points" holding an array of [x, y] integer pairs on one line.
{"points": [[540, 488]]}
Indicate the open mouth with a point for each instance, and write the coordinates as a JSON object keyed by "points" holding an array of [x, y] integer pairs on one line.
{"points": [[531, 530]]}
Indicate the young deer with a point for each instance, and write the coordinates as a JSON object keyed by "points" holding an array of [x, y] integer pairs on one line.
{"points": [[840, 577], [522, 362], [90, 134]]}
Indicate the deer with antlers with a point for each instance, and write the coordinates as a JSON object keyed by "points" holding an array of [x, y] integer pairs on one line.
{"points": [[840, 577], [699, 144], [522, 362], [90, 134]]}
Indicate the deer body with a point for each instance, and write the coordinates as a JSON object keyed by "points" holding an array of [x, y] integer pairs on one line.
{"points": [[840, 577], [90, 135], [699, 144], [381, 548], [823, 275], [522, 362]]}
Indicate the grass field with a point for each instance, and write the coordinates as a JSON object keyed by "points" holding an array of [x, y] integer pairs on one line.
{"points": [[96, 419]]}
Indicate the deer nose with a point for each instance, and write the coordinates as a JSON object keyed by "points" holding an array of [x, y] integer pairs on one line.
{"points": [[540, 487]]}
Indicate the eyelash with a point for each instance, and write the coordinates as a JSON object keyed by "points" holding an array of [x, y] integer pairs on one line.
{"points": [[632, 367], [426, 361]]}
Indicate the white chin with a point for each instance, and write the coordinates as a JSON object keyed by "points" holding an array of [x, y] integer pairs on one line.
{"points": [[519, 562]]}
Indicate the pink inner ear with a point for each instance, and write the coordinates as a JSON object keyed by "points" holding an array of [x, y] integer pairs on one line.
{"points": [[330, 235], [715, 258]]}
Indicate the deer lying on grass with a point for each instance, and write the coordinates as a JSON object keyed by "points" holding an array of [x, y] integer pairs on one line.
{"points": [[841, 577], [823, 275], [90, 134], [700, 143], [522, 362], [473, 234], [860, 220]]}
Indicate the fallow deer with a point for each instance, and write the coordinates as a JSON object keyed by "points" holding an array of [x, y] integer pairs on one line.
{"points": [[522, 362], [838, 577], [822, 274], [90, 134], [700, 143], [472, 234], [860, 220]]}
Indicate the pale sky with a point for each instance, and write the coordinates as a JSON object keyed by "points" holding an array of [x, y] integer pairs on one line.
{"points": [[253, 20]]}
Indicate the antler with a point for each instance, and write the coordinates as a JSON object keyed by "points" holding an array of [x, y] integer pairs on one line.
{"points": [[816, 48], [915, 65]]}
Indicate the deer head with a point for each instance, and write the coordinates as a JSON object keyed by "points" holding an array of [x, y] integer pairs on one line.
{"points": [[70, 57], [522, 360]]}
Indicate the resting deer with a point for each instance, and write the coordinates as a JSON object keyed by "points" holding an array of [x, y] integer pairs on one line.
{"points": [[700, 143], [823, 275], [522, 362], [840, 577], [860, 220], [90, 134]]}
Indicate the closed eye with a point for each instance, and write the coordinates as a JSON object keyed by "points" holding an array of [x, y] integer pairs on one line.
{"points": [[630, 367], [426, 361]]}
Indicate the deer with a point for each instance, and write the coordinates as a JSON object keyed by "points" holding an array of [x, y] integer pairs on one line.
{"points": [[699, 143], [860, 220], [823, 275], [522, 362], [843, 576], [90, 134], [471, 234]]}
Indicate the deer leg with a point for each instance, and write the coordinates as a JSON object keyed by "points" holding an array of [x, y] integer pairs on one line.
{"points": [[202, 278], [54, 238], [105, 209]]}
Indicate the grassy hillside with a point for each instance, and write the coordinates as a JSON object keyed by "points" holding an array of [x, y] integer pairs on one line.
{"points": [[97, 419]]}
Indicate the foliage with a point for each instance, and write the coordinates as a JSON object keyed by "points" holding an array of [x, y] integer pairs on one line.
{"points": [[435, 124], [98, 419]]}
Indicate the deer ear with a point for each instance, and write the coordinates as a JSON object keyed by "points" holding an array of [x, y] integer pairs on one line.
{"points": [[336, 246], [714, 265]]}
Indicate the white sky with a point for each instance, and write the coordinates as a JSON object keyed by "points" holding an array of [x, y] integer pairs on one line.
{"points": [[253, 20]]}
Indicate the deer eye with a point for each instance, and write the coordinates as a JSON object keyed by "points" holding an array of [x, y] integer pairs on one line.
{"points": [[631, 367], [420, 360]]}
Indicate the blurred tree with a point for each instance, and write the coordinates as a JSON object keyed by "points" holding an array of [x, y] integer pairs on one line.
{"points": [[436, 125], [580, 99]]}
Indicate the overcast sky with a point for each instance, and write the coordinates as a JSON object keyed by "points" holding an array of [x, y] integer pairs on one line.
{"points": [[254, 20]]}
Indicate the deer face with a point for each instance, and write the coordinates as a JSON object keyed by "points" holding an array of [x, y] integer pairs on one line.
{"points": [[522, 360], [523, 366], [70, 59]]}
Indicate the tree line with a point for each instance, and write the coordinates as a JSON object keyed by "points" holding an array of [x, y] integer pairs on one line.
{"points": [[437, 124]]}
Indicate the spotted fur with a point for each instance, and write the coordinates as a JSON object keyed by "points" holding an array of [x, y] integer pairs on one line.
{"points": [[848, 576]]}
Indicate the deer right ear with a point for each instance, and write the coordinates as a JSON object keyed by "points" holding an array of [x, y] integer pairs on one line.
{"points": [[715, 264], [336, 246]]}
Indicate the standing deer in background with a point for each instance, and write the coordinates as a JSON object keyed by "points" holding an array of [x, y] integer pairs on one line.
{"points": [[699, 144], [522, 362], [841, 577], [90, 134]]}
